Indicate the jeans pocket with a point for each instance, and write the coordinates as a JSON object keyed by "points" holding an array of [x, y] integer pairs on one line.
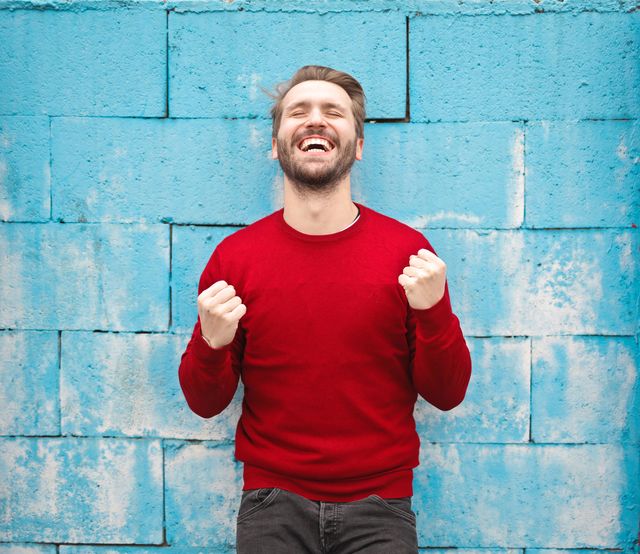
{"points": [[255, 500], [400, 506]]}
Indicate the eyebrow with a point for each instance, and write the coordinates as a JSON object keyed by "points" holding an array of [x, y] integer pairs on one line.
{"points": [[306, 104]]}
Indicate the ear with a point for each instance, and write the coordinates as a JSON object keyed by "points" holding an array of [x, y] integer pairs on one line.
{"points": [[274, 148], [359, 148]]}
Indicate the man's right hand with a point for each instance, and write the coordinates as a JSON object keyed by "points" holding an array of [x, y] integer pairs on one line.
{"points": [[220, 311]]}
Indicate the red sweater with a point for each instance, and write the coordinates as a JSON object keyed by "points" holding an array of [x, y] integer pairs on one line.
{"points": [[331, 357]]}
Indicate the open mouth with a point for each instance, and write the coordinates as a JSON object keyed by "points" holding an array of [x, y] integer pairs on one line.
{"points": [[316, 145]]}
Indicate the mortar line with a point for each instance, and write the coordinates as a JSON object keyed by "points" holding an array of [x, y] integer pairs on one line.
{"points": [[164, 506], [170, 276], [407, 113], [524, 174], [530, 387], [166, 69], [59, 383], [50, 174]]}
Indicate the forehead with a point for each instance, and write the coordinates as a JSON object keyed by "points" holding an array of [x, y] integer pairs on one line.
{"points": [[316, 92]]}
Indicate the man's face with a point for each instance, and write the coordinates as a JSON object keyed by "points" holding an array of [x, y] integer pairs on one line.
{"points": [[316, 143]]}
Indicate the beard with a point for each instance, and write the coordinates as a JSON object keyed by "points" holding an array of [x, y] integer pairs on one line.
{"points": [[316, 175]]}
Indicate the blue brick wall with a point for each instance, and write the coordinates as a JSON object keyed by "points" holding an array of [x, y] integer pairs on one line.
{"points": [[134, 136]]}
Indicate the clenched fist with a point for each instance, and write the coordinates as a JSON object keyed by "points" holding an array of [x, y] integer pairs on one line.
{"points": [[424, 279], [220, 311]]}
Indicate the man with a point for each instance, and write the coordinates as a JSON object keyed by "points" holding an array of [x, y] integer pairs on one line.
{"points": [[336, 317]]}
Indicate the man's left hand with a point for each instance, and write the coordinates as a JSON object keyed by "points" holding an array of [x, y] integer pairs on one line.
{"points": [[424, 279]]}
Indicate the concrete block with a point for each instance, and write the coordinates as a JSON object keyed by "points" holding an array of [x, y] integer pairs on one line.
{"points": [[541, 66], [110, 277], [583, 174], [127, 384], [83, 62], [188, 171], [541, 282], [585, 389], [218, 62], [73, 490], [542, 496], [444, 175]]}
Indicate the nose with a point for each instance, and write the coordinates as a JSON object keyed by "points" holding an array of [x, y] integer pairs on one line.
{"points": [[315, 118]]}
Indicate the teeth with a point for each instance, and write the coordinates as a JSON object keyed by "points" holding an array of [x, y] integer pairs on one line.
{"points": [[308, 142]]}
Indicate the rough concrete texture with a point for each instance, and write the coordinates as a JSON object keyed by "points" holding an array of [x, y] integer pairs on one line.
{"points": [[135, 136]]}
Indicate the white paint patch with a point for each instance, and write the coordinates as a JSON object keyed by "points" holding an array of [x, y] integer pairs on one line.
{"points": [[563, 290], [253, 90], [5, 140], [252, 82], [545, 128], [119, 152], [111, 465], [424, 220], [92, 199], [3, 173], [592, 513], [445, 457], [5, 211], [49, 476], [277, 191], [622, 151], [13, 304], [515, 192], [255, 137], [129, 405], [626, 260]]}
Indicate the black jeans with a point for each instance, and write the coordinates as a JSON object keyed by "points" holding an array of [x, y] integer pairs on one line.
{"points": [[278, 521]]}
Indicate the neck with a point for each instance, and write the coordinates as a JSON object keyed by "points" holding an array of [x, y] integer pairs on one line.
{"points": [[319, 213]]}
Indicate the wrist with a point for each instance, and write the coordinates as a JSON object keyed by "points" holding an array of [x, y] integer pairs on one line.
{"points": [[205, 339]]}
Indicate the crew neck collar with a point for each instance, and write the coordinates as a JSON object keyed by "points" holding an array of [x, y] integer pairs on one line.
{"points": [[338, 235]]}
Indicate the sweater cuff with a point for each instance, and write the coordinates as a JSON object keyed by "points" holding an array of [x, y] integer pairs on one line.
{"points": [[435, 319], [205, 353]]}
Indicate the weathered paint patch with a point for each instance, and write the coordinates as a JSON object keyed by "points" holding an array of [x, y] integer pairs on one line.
{"points": [[441, 175], [118, 66], [24, 160], [541, 282], [530, 67], [585, 389], [583, 174], [84, 276], [198, 171], [203, 487], [127, 384], [73, 489], [207, 48], [578, 496], [496, 406], [29, 383]]}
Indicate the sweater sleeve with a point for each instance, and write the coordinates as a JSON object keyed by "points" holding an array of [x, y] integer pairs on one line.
{"points": [[440, 359], [209, 377]]}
